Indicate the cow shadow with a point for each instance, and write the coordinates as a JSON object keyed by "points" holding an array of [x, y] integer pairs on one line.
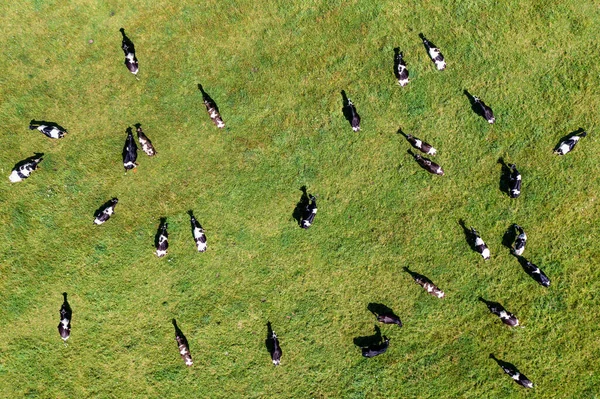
{"points": [[416, 276], [162, 222], [206, 97], [179, 333], [509, 237], [568, 136], [346, 108], [469, 238], [369, 340], [301, 205], [36, 155], [527, 269], [47, 123], [99, 211], [269, 340], [379, 308], [422, 36], [504, 177], [504, 364], [476, 108], [192, 227], [396, 62], [127, 41], [491, 304]]}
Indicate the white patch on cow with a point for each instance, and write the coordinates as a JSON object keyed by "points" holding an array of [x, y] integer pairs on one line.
{"points": [[479, 241], [314, 210], [129, 165], [418, 143], [515, 192], [432, 151], [356, 129], [518, 177], [441, 65], [160, 253], [14, 177], [306, 223], [564, 148], [403, 82], [220, 124], [486, 253]]}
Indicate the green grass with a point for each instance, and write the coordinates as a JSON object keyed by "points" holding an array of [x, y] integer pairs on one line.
{"points": [[276, 70]]}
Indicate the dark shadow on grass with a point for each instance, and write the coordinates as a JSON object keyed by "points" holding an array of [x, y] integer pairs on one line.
{"points": [[396, 63], [422, 36], [509, 237], [379, 308], [476, 108], [27, 160], [504, 177], [469, 238], [269, 340], [369, 340], [529, 268], [568, 136], [491, 304], [162, 222], [301, 205], [127, 42], [504, 364], [47, 123], [416, 276], [206, 97], [99, 211], [179, 333], [346, 108]]}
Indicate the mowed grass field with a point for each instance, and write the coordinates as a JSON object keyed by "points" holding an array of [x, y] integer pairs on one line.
{"points": [[276, 70]]}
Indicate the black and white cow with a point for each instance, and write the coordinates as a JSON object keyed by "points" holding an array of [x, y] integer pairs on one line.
{"points": [[64, 327], [567, 145], [520, 242], [54, 132], [512, 371], [129, 151], [486, 111], [310, 211], [106, 211], [400, 69], [535, 272], [429, 165], [145, 142], [198, 233], [353, 116], [163, 240], [389, 318], [479, 244], [376, 349], [497, 309], [276, 352], [426, 283], [182, 343], [212, 109], [434, 53], [131, 61], [23, 169], [419, 144], [514, 182]]}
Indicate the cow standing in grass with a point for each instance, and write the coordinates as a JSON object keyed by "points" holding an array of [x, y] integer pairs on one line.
{"points": [[131, 61], [64, 327], [520, 242], [486, 111], [163, 240], [182, 343], [479, 244], [434, 53], [514, 182], [106, 211], [129, 151], [198, 233], [308, 217], [145, 142], [400, 69]]}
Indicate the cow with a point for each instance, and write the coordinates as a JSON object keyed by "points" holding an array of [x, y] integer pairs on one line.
{"points": [[419, 144], [105, 211], [514, 373], [428, 165], [426, 283], [129, 151], [131, 61], [389, 318], [434, 53], [520, 242], [376, 349], [198, 233], [276, 352], [535, 272], [507, 318], [486, 111], [22, 170], [64, 327], [400, 69], [310, 211], [52, 131], [162, 243], [212, 109], [514, 182], [569, 143], [182, 343], [145, 142], [479, 244]]}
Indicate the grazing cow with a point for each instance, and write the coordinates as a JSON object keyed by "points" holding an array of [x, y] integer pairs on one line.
{"points": [[400, 69], [129, 151], [145, 142], [535, 272], [276, 352], [105, 212], [54, 132], [198, 233], [514, 373], [486, 111], [389, 318], [131, 61], [428, 165], [426, 283], [163, 241], [211, 108], [23, 169], [184, 347], [514, 182], [64, 327], [434, 53], [376, 349], [419, 144], [479, 244], [497, 309], [520, 241], [308, 216], [568, 144]]}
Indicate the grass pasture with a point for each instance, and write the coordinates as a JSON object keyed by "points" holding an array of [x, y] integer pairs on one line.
{"points": [[276, 70]]}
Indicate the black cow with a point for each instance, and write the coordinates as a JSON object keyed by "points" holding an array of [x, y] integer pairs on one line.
{"points": [[535, 272], [129, 151], [162, 243], [497, 309], [426, 283], [419, 144], [479, 244], [308, 216], [428, 165], [198, 233], [131, 61], [486, 111], [400, 69], [514, 373], [276, 353], [514, 182], [64, 327], [376, 349]]}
